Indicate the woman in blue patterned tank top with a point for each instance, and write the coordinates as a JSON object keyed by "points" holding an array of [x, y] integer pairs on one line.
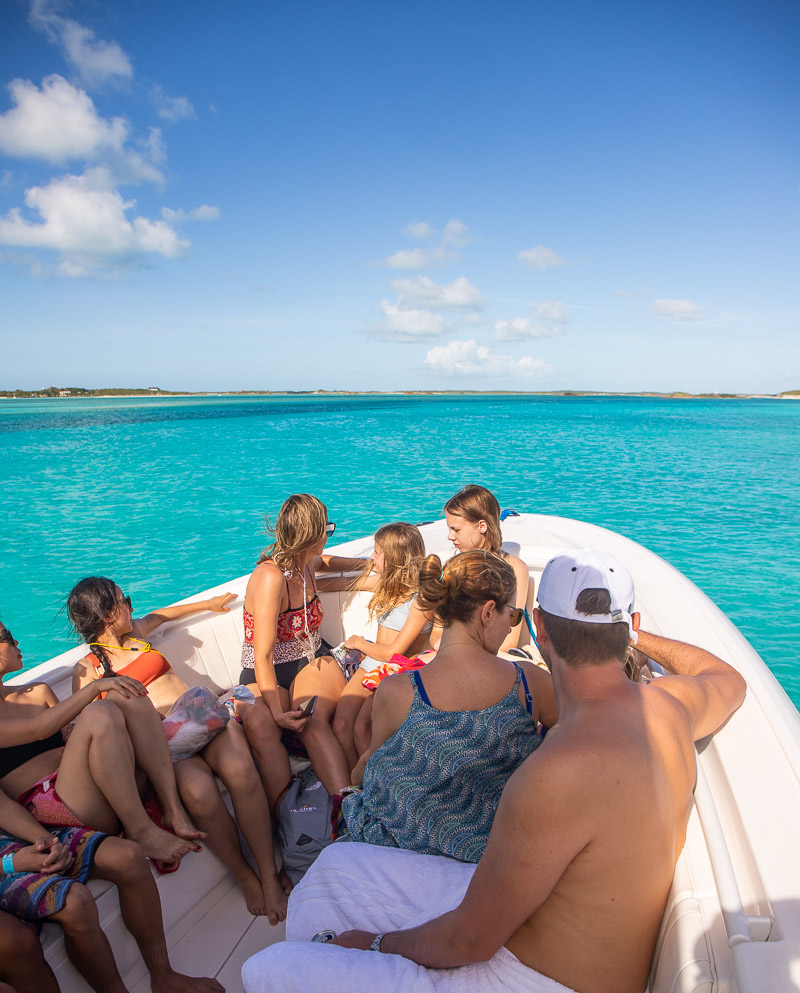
{"points": [[444, 744]]}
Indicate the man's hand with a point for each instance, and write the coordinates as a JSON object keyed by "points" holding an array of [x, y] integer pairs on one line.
{"points": [[355, 939]]}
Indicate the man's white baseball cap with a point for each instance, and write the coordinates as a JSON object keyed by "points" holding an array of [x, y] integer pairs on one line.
{"points": [[570, 573]]}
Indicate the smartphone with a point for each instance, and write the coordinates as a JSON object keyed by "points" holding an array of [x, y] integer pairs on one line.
{"points": [[308, 707]]}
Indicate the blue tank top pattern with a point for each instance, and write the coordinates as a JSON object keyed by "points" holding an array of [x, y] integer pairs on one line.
{"points": [[434, 786]]}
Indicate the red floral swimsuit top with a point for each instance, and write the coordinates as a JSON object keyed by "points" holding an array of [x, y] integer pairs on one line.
{"points": [[291, 632]]}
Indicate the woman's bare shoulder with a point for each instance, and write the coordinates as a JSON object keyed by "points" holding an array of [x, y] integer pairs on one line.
{"points": [[83, 667], [265, 576], [32, 693], [395, 690], [516, 563]]}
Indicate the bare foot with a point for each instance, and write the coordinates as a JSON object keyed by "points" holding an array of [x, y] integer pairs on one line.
{"points": [[176, 982], [161, 846], [275, 899], [286, 883], [181, 824], [253, 894]]}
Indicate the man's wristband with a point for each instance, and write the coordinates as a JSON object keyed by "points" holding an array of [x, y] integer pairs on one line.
{"points": [[8, 869], [376, 942]]}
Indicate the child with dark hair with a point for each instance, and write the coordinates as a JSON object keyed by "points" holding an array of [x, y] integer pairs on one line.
{"points": [[102, 614]]}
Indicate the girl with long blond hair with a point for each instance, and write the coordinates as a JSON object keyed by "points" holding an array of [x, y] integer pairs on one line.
{"points": [[403, 627]]}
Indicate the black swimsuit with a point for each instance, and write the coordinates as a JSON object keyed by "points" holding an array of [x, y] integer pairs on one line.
{"points": [[14, 756]]}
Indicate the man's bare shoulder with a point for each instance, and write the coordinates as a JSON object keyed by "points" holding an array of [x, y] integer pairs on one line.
{"points": [[601, 752], [564, 759]]}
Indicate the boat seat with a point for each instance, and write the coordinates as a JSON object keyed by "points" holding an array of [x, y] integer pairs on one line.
{"points": [[207, 649]]}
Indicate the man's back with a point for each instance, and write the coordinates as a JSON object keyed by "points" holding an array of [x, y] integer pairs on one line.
{"points": [[607, 801]]}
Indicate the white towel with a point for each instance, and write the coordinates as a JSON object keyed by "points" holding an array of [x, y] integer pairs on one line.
{"points": [[366, 887]]}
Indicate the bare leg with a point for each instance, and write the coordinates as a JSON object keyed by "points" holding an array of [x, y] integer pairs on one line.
{"points": [[86, 944], [264, 737], [347, 711], [151, 752], [121, 862], [22, 962], [229, 757], [322, 678], [363, 729], [272, 759], [203, 799], [96, 780]]}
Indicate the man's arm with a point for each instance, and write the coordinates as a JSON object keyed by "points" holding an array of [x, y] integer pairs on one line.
{"points": [[530, 846], [714, 691]]}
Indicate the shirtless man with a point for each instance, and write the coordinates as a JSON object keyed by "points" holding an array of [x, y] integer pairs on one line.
{"points": [[572, 887]]}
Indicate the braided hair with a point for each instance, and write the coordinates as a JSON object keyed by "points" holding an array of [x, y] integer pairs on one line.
{"points": [[88, 606]]}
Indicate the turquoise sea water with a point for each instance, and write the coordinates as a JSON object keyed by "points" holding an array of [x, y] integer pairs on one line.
{"points": [[168, 496]]}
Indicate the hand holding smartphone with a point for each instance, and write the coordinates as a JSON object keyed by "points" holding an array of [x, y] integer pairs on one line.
{"points": [[307, 709]]}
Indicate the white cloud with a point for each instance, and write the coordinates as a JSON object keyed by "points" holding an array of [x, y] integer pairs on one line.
{"points": [[56, 123], [677, 310], [420, 230], [84, 219], [59, 123], [519, 328], [201, 213], [453, 236], [540, 257], [417, 258], [468, 358], [410, 325], [549, 319], [423, 292], [553, 311], [456, 234], [96, 60], [169, 108]]}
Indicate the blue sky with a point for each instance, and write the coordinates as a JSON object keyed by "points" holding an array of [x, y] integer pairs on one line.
{"points": [[439, 195]]}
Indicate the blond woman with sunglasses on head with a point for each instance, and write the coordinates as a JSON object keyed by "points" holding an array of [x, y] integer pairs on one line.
{"points": [[295, 681]]}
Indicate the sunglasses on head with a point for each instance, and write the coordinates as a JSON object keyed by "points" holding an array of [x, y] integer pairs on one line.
{"points": [[515, 615], [7, 637], [329, 529]]}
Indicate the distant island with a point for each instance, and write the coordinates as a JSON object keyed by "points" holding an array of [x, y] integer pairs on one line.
{"points": [[81, 392]]}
